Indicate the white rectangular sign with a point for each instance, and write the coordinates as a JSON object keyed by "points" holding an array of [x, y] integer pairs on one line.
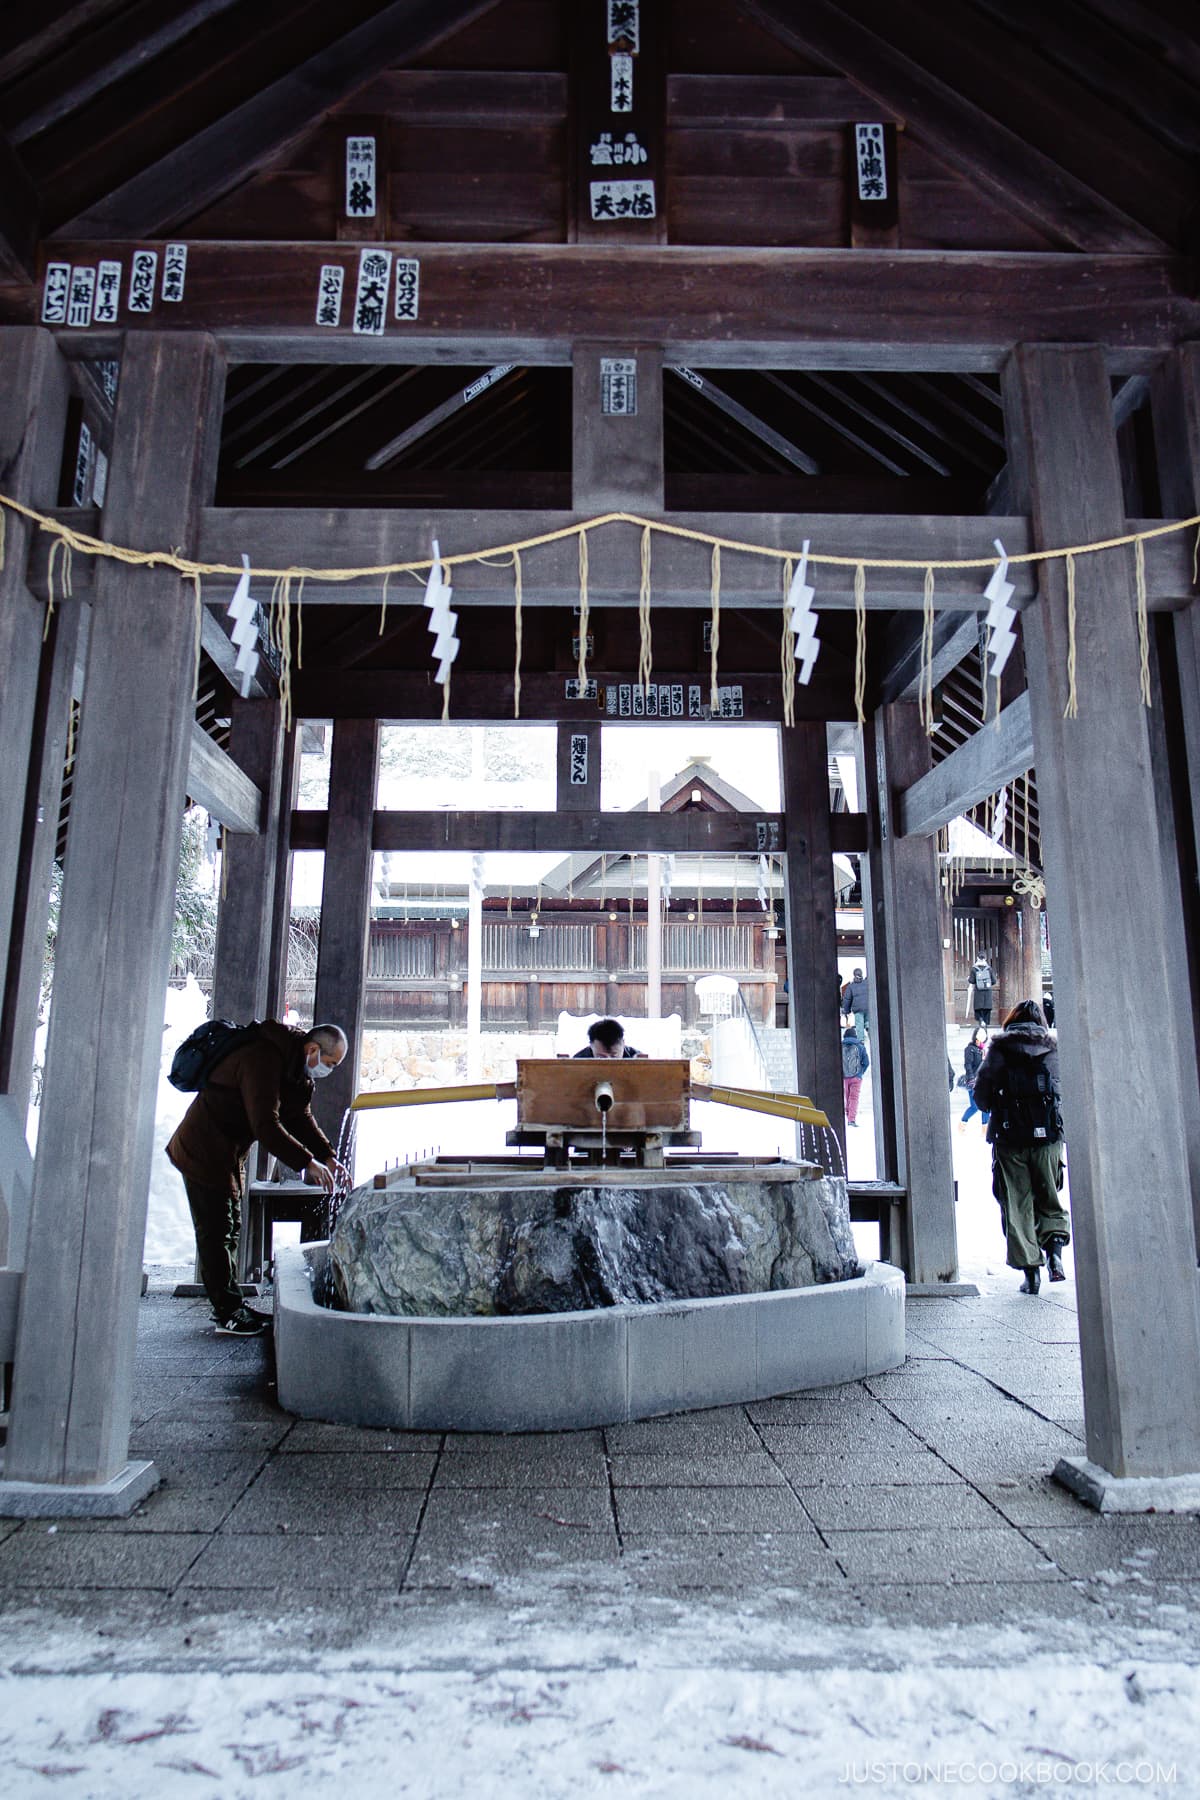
{"points": [[370, 300]]}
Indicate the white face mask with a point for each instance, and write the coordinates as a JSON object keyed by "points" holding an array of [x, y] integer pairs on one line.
{"points": [[319, 1070]]}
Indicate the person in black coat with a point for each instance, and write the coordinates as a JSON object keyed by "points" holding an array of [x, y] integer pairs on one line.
{"points": [[1018, 1085], [972, 1063]]}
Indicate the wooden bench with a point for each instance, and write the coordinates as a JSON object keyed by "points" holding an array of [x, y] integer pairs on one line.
{"points": [[880, 1203], [271, 1203]]}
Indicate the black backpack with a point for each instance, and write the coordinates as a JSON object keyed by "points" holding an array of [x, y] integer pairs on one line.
{"points": [[851, 1064], [203, 1049], [1027, 1110]]}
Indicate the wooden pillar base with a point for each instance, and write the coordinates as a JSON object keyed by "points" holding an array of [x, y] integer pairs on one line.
{"points": [[113, 1499]]}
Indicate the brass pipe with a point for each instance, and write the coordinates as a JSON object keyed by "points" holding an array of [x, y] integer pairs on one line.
{"points": [[482, 1090], [797, 1107]]}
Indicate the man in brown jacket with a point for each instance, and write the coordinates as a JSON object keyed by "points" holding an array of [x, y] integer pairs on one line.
{"points": [[259, 1093]]}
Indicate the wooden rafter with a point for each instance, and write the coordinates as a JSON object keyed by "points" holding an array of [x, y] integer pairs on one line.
{"points": [[198, 172], [991, 153]]}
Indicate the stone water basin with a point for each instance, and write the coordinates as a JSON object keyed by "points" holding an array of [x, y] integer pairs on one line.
{"points": [[580, 1302]]}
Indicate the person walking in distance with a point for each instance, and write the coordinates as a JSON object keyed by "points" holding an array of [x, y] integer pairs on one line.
{"points": [[973, 1057], [855, 1063], [261, 1092], [855, 1002], [982, 983], [1018, 1085]]}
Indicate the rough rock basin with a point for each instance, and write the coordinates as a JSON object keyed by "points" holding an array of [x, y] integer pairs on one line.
{"points": [[556, 1303]]}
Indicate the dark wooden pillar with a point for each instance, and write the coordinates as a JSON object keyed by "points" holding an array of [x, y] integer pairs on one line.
{"points": [[1029, 924], [33, 408], [811, 920], [1175, 725], [281, 893], [346, 908], [241, 966], [1012, 971], [75, 1339], [1117, 1012], [908, 1026]]}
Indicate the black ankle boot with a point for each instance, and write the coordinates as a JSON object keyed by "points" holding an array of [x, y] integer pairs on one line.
{"points": [[1054, 1249], [1032, 1281]]}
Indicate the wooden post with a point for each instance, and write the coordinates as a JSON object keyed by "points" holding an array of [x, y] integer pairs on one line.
{"points": [[1029, 920], [811, 920], [617, 458], [75, 1336], [1010, 975], [908, 1026], [1175, 728], [34, 390], [1117, 1013], [346, 908], [241, 965], [27, 950], [280, 898]]}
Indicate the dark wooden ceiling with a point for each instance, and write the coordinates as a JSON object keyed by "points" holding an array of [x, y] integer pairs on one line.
{"points": [[1020, 126]]}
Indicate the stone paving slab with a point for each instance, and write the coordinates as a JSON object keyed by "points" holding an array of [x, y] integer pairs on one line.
{"points": [[231, 1433], [729, 1563], [525, 1443], [262, 1564], [688, 1509], [564, 1466], [38, 1557], [900, 1508], [328, 1472], [962, 1554], [889, 1468], [736, 1470], [704, 1433], [457, 1559], [309, 1434], [812, 1409], [1151, 1548], [354, 1512], [935, 1605], [1039, 1501], [500, 1510]]}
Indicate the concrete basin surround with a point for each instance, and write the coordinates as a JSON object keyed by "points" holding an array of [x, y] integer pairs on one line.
{"points": [[561, 1371]]}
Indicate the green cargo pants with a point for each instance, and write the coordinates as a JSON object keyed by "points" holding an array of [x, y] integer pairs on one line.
{"points": [[1026, 1182], [217, 1218]]}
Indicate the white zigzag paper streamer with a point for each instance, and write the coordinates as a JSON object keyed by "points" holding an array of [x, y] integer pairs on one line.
{"points": [[764, 877], [999, 591], [442, 621], [803, 619], [241, 610]]}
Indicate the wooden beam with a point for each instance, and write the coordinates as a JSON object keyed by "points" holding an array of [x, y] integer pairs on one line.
{"points": [[997, 753], [285, 537], [1134, 1236], [955, 635], [733, 409], [196, 173], [412, 434], [19, 226], [775, 309], [977, 145], [482, 696], [628, 833], [73, 1390], [215, 782], [222, 653], [70, 73]]}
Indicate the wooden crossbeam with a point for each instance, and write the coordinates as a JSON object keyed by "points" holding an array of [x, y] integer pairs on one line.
{"points": [[766, 308], [995, 754], [215, 782]]}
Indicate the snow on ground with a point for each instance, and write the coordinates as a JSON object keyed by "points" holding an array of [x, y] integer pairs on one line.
{"points": [[565, 1729]]}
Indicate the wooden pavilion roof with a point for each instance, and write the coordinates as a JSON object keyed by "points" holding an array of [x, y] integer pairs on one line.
{"points": [[1022, 132]]}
